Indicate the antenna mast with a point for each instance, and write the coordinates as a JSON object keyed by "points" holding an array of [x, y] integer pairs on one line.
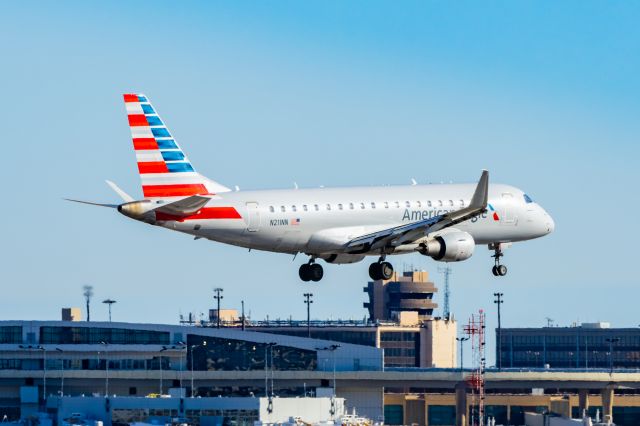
{"points": [[476, 380], [88, 294], [446, 310]]}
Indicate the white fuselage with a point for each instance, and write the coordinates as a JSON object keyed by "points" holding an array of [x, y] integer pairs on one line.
{"points": [[320, 221]]}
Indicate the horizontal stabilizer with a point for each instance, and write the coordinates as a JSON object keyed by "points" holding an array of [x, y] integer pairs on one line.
{"points": [[126, 197], [113, 206], [184, 207]]}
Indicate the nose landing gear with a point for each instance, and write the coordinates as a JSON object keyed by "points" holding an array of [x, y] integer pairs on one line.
{"points": [[311, 271], [381, 270], [498, 269]]}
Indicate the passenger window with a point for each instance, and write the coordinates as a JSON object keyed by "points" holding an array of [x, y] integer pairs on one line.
{"points": [[407, 203], [397, 204], [362, 205], [451, 203], [294, 209], [351, 206], [419, 204], [339, 206], [304, 207], [282, 209], [271, 209], [429, 203], [439, 203], [315, 206], [461, 203], [373, 205], [328, 206], [386, 204]]}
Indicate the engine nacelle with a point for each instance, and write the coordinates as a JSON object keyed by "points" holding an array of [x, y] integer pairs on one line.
{"points": [[449, 247], [339, 259], [139, 210]]}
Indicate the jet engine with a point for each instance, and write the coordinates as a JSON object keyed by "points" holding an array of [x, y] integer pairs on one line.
{"points": [[449, 247], [339, 259]]}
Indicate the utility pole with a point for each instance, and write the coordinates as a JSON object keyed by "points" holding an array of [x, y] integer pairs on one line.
{"points": [[218, 297], [462, 340], [88, 294], [308, 301], [446, 310], [109, 302], [499, 302]]}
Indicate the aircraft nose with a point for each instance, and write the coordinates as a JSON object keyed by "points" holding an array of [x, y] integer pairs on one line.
{"points": [[550, 225]]}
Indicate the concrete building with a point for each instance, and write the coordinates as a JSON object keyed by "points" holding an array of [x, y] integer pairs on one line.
{"points": [[585, 346], [71, 314], [407, 342], [404, 292]]}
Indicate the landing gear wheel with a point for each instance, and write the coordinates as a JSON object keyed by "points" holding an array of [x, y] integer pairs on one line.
{"points": [[374, 271], [502, 270], [305, 272], [386, 270], [380, 271], [316, 272], [494, 270]]}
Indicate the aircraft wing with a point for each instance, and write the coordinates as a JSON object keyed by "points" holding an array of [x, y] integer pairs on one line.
{"points": [[410, 232], [185, 206]]}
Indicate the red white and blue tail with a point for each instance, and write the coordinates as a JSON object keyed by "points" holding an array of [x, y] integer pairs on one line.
{"points": [[164, 169]]}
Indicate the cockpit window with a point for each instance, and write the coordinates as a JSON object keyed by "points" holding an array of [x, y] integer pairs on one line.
{"points": [[527, 199]]}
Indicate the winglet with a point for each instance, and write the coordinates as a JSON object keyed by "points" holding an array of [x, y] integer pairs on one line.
{"points": [[126, 197], [479, 199]]}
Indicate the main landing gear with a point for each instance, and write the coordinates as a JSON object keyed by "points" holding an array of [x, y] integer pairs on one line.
{"points": [[380, 270], [498, 269], [311, 271]]}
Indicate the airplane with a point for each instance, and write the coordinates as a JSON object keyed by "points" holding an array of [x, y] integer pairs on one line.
{"points": [[336, 225]]}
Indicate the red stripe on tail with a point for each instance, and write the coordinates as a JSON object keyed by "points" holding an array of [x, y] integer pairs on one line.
{"points": [[152, 167], [177, 190], [130, 97], [144, 144], [137, 120]]}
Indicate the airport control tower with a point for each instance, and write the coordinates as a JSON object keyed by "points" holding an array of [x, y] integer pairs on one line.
{"points": [[404, 293]]}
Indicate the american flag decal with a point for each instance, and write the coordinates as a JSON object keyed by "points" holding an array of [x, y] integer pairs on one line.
{"points": [[295, 221]]}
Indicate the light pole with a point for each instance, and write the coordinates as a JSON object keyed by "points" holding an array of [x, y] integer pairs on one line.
{"points": [[164, 348], [62, 371], [611, 341], [192, 348], [308, 301], [462, 340], [242, 302], [499, 302], [109, 302], [267, 348], [44, 371], [106, 362], [218, 298], [88, 293]]}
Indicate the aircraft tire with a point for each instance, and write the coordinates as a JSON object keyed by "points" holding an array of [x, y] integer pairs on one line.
{"points": [[305, 272], [386, 270], [502, 270], [494, 270], [375, 271], [316, 272]]}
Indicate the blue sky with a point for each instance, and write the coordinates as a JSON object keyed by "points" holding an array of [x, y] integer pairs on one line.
{"points": [[545, 95]]}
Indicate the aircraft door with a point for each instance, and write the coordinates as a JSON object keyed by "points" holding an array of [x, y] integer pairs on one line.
{"points": [[508, 216], [253, 217]]}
